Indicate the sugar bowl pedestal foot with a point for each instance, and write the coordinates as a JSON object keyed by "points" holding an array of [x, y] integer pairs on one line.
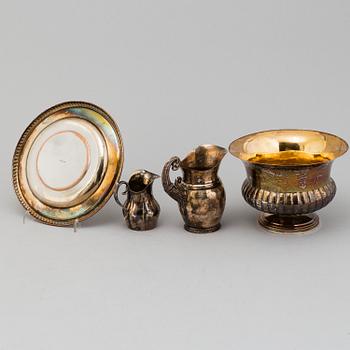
{"points": [[286, 224], [288, 176]]}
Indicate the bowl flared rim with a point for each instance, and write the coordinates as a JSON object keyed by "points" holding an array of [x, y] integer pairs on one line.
{"points": [[236, 146]]}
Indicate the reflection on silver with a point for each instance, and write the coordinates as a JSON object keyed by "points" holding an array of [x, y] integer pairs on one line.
{"points": [[63, 162], [67, 162]]}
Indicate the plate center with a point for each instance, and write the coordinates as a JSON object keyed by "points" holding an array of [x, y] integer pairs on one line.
{"points": [[63, 160]]}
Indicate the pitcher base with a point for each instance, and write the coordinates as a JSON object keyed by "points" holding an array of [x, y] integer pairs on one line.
{"points": [[202, 230]]}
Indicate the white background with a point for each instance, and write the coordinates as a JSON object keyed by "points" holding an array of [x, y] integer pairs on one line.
{"points": [[175, 74]]}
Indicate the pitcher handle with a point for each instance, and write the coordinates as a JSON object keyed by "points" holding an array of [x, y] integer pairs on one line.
{"points": [[116, 192], [175, 190]]}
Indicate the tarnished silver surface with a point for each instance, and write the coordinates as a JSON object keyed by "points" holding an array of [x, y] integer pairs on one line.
{"points": [[288, 175], [67, 162], [200, 193], [140, 209]]}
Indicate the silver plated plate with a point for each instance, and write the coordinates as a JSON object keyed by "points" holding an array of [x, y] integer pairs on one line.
{"points": [[67, 162]]}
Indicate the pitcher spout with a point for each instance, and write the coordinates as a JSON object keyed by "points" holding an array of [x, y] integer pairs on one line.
{"points": [[204, 157], [140, 180], [149, 177]]}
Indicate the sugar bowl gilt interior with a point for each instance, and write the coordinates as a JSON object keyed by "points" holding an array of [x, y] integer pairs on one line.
{"points": [[288, 175], [69, 160]]}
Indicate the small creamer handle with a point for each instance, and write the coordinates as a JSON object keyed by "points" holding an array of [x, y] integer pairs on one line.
{"points": [[116, 192], [175, 190]]}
